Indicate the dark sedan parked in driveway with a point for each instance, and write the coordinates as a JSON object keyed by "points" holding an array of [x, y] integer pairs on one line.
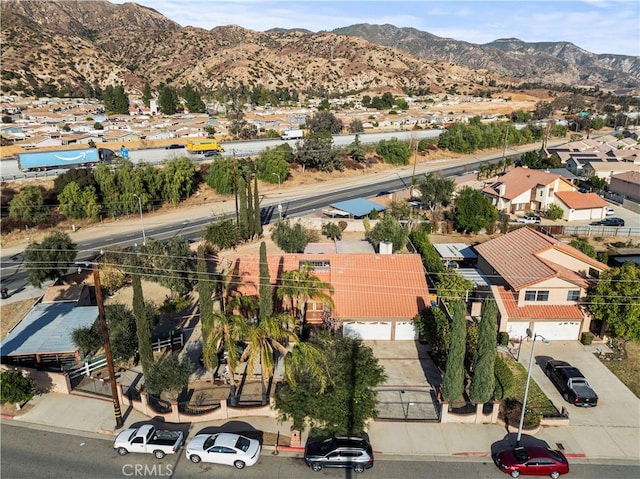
{"points": [[532, 461]]}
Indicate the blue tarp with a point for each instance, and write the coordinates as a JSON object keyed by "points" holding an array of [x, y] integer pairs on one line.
{"points": [[47, 329], [358, 207]]}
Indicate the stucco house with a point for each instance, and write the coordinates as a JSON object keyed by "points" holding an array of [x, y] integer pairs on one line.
{"points": [[626, 184], [581, 206], [376, 296], [538, 283], [524, 189]]}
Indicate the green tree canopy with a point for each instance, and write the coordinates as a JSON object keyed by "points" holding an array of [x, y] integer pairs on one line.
{"points": [[583, 245], [394, 152], [169, 374], [292, 238], [345, 401], [452, 285], [473, 211], [436, 191], [168, 100], [316, 151], [483, 382], [49, 259], [16, 388], [324, 122], [615, 298], [453, 380], [28, 205], [223, 234], [388, 229]]}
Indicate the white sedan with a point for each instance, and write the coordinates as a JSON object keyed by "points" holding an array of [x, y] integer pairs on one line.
{"points": [[224, 448]]}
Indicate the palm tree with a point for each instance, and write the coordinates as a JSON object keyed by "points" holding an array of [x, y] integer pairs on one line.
{"points": [[222, 330], [309, 361], [246, 306], [298, 287], [263, 340]]}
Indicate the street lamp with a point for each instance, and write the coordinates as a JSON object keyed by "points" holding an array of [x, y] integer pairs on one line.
{"points": [[144, 237], [530, 334]]}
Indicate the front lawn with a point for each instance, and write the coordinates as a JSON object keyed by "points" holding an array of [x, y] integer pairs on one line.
{"points": [[536, 399], [626, 366]]}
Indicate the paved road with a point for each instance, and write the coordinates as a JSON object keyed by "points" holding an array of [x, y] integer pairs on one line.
{"points": [[38, 454]]}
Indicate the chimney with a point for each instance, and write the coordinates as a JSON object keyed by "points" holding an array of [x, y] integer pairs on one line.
{"points": [[386, 247]]}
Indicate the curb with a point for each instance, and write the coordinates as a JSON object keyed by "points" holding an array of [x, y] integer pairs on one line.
{"points": [[7, 416]]}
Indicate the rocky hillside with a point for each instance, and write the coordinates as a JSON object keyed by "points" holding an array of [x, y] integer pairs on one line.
{"points": [[74, 47], [548, 63]]}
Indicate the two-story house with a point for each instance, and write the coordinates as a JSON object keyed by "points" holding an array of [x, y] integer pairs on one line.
{"points": [[375, 296], [538, 283], [524, 189]]}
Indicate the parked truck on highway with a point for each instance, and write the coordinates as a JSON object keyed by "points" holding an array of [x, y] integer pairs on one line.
{"points": [[292, 135], [203, 146], [148, 439], [60, 159]]}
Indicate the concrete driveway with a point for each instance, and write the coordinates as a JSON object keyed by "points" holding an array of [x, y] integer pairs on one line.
{"points": [[409, 393], [617, 405]]}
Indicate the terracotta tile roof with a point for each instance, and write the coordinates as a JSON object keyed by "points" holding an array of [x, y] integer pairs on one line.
{"points": [[519, 180], [537, 312], [517, 258], [366, 286], [580, 201]]}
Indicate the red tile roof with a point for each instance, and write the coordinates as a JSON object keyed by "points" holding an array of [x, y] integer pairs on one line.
{"points": [[537, 312], [580, 201], [366, 286], [516, 257], [519, 180]]}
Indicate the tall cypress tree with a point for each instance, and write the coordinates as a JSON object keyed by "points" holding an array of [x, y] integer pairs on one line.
{"points": [[205, 286], [266, 295], [143, 328], [257, 228], [483, 382], [453, 381], [242, 207], [250, 222]]}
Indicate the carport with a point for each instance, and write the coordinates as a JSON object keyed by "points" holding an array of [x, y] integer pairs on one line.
{"points": [[355, 208]]}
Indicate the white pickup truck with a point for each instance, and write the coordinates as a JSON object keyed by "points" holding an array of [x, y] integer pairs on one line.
{"points": [[148, 439]]}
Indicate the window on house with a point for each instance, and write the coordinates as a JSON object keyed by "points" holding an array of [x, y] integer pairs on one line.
{"points": [[573, 295], [315, 265], [594, 273], [536, 295], [542, 296]]}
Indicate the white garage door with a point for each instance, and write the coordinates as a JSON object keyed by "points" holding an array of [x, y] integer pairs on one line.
{"points": [[558, 330], [517, 330], [368, 331], [406, 330]]}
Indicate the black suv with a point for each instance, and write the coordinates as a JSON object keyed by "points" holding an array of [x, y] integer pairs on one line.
{"points": [[346, 452]]}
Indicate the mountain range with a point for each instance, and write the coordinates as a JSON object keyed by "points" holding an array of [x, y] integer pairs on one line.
{"points": [[73, 46]]}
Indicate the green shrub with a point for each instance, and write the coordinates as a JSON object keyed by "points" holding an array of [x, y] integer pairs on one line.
{"points": [[503, 338], [586, 338], [504, 379]]}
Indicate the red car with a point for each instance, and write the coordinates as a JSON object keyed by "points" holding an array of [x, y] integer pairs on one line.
{"points": [[532, 461]]}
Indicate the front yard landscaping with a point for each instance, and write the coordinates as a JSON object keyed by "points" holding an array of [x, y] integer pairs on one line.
{"points": [[625, 364], [536, 399]]}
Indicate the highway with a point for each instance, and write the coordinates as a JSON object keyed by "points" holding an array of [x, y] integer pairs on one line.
{"points": [[32, 453], [9, 170]]}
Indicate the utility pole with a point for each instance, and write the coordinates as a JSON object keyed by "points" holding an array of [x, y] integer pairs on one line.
{"points": [[235, 188], [107, 347]]}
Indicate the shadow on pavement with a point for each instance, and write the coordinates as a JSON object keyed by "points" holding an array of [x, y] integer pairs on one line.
{"points": [[509, 441]]}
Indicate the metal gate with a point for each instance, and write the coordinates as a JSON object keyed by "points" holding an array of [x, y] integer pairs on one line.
{"points": [[408, 404]]}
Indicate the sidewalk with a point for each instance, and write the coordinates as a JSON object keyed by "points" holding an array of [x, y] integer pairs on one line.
{"points": [[90, 417]]}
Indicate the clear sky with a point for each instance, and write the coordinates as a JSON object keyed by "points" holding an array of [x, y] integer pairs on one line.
{"points": [[599, 26]]}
